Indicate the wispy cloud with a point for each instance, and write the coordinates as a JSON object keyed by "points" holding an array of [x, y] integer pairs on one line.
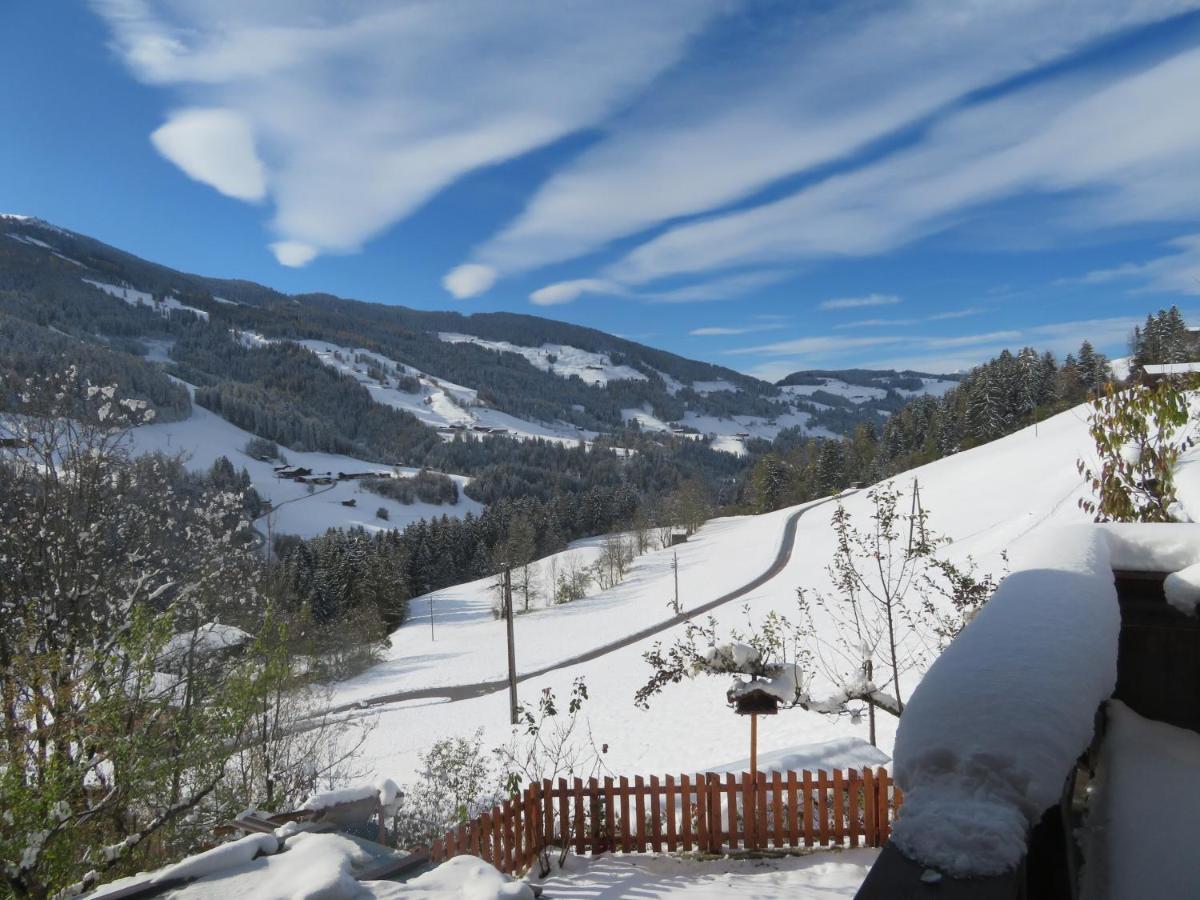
{"points": [[721, 330], [877, 323], [820, 88], [859, 302], [561, 292], [935, 353], [358, 113], [1175, 273], [824, 345], [936, 317], [1052, 138]]}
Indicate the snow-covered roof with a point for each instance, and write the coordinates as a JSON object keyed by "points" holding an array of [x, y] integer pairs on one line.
{"points": [[1180, 368], [211, 637]]}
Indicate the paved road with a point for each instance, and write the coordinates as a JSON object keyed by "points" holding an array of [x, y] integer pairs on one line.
{"points": [[481, 688]]}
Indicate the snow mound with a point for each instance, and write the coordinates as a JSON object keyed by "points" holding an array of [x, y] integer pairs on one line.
{"points": [[1183, 589], [997, 723], [226, 856], [460, 878], [1140, 830]]}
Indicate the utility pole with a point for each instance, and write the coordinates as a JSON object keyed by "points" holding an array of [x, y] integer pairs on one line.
{"points": [[512, 649], [432, 637]]}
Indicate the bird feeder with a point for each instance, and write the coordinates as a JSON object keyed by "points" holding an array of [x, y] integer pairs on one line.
{"points": [[754, 702]]}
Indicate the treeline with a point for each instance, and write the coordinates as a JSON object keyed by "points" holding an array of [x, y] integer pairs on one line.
{"points": [[365, 581], [1165, 338], [425, 486], [995, 399]]}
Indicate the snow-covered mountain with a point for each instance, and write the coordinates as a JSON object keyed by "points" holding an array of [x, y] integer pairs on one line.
{"points": [[520, 375]]}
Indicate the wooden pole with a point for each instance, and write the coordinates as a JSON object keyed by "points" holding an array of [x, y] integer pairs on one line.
{"points": [[754, 748], [512, 649]]}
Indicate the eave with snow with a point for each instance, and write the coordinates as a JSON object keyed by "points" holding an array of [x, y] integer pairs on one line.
{"points": [[1015, 752]]}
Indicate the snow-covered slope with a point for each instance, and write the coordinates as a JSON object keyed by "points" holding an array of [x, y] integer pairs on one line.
{"points": [[558, 359], [436, 402], [204, 437], [995, 498], [134, 297]]}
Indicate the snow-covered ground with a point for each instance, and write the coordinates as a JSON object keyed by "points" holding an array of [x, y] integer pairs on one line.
{"points": [[558, 359], [204, 437], [995, 498], [824, 875]]}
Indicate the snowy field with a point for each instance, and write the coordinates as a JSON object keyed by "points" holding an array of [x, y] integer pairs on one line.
{"points": [[204, 437], [989, 499]]}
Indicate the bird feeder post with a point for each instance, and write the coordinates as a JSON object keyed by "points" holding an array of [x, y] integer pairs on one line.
{"points": [[754, 749]]}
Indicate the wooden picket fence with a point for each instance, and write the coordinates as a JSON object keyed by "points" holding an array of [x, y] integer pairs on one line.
{"points": [[706, 812]]}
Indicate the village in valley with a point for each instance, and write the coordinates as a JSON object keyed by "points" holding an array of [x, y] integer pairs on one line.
{"points": [[680, 450]]}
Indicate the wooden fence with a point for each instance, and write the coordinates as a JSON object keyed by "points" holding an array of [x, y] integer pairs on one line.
{"points": [[705, 812]]}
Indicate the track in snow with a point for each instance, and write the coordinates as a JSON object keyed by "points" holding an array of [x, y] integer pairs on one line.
{"points": [[481, 688]]}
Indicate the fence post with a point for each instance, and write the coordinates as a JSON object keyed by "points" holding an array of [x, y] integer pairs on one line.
{"points": [[712, 783], [870, 808], [702, 838]]}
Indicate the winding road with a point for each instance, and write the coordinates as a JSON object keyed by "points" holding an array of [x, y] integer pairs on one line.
{"points": [[481, 688]]}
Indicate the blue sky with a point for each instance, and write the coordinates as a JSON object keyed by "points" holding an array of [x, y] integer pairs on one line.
{"points": [[769, 186]]}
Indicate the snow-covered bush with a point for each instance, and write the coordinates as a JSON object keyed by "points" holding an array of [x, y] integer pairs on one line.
{"points": [[457, 782]]}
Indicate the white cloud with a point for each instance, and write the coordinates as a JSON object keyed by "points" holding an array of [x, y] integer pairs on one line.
{"points": [[937, 353], [859, 302], [569, 291], [363, 111], [722, 330], [824, 346], [215, 146], [715, 289], [1112, 148], [469, 280], [818, 88], [294, 253], [1175, 273]]}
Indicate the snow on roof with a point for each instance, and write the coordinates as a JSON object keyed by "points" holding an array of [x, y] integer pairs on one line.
{"points": [[386, 792], [993, 729], [211, 637], [310, 866], [1180, 368]]}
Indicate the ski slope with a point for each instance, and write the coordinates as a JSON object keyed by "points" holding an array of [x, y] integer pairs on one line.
{"points": [[204, 437]]}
